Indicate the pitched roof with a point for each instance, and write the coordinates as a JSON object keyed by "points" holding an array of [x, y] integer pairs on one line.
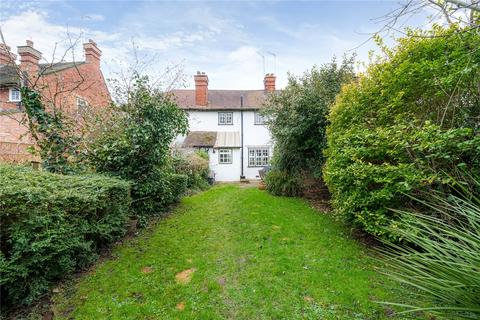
{"points": [[9, 73], [200, 139], [8, 76], [47, 68], [222, 99]]}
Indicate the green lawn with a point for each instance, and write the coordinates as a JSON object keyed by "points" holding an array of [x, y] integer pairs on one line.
{"points": [[235, 253]]}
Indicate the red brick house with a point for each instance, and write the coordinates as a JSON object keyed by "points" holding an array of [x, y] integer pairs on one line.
{"points": [[71, 86]]}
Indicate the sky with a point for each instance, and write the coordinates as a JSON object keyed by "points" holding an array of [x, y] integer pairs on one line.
{"points": [[234, 43]]}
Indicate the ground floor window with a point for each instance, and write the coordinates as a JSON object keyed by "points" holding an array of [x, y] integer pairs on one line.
{"points": [[225, 156], [258, 156]]}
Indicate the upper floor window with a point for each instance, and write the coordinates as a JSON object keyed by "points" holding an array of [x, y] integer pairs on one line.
{"points": [[225, 118], [259, 118], [82, 105], [14, 95]]}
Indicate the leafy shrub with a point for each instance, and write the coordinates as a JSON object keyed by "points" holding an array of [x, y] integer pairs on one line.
{"points": [[134, 144], [52, 225], [281, 183], [156, 191], [297, 116], [195, 167], [406, 124], [444, 264]]}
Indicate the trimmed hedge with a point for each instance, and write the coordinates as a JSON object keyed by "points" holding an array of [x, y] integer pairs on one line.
{"points": [[52, 225]]}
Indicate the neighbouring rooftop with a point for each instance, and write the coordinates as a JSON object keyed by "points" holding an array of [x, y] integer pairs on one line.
{"points": [[9, 73]]}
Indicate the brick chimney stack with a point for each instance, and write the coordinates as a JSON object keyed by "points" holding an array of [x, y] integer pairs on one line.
{"points": [[269, 82], [92, 53], [6, 56], [201, 89], [29, 58]]}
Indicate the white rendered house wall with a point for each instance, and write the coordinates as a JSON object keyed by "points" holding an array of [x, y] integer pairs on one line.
{"points": [[254, 136]]}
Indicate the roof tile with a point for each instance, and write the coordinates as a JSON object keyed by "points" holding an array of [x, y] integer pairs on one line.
{"points": [[222, 99]]}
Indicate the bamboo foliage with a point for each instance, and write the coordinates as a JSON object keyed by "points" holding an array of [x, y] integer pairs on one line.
{"points": [[444, 261]]}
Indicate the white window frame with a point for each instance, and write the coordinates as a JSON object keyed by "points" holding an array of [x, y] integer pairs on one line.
{"points": [[258, 156], [82, 104], [10, 95], [258, 118], [225, 156], [225, 118]]}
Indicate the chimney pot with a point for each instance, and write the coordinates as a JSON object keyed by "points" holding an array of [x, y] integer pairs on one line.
{"points": [[269, 82], [201, 89], [30, 43]]}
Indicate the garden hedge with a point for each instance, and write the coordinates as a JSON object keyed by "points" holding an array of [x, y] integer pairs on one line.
{"points": [[52, 225], [408, 123]]}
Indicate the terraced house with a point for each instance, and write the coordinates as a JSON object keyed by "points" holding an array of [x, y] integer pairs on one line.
{"points": [[72, 86], [229, 126]]}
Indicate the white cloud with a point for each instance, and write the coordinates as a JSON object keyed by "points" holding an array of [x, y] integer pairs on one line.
{"points": [[54, 40], [94, 17], [51, 39]]}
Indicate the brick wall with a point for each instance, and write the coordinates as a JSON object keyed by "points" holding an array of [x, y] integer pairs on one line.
{"points": [[16, 152], [14, 140], [86, 82], [11, 130]]}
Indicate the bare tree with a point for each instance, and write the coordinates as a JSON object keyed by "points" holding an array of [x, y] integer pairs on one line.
{"points": [[441, 12], [165, 79]]}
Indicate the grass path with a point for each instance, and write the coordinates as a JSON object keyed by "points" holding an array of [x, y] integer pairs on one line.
{"points": [[234, 253]]}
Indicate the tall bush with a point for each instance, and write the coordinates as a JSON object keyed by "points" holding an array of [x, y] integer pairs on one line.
{"points": [[52, 225], [297, 116], [134, 144], [405, 124]]}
